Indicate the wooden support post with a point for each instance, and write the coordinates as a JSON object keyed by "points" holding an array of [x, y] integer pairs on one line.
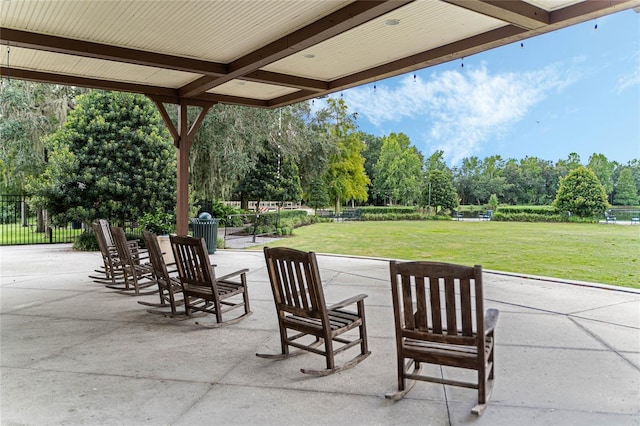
{"points": [[182, 140], [183, 147]]}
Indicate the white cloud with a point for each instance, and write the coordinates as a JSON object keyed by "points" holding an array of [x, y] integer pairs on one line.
{"points": [[460, 109], [631, 79]]}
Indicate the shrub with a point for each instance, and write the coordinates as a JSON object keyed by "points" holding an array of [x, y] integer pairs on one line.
{"points": [[537, 210], [222, 212], [387, 210], [581, 194], [86, 242], [403, 216], [158, 222]]}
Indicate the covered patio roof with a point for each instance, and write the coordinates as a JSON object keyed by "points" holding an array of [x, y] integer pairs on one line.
{"points": [[262, 53]]}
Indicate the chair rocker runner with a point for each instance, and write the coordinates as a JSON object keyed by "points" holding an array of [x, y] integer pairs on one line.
{"points": [[169, 287], [303, 314], [202, 290], [137, 275], [440, 319]]}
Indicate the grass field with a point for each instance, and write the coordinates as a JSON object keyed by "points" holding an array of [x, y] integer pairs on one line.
{"points": [[598, 253]]}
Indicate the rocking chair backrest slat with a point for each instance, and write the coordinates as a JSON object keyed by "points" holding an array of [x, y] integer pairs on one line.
{"points": [[120, 241], [106, 231], [155, 255], [102, 244], [193, 262], [425, 289], [295, 282]]}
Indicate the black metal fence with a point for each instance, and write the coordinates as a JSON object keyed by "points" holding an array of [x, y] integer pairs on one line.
{"points": [[22, 223]]}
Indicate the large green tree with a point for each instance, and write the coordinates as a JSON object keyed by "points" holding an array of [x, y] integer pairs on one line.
{"points": [[371, 153], [397, 174], [112, 159], [603, 169], [581, 193], [227, 145], [28, 112], [439, 191], [275, 178], [626, 193], [345, 177]]}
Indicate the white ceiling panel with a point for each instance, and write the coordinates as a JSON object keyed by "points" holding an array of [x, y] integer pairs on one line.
{"points": [[421, 26]]}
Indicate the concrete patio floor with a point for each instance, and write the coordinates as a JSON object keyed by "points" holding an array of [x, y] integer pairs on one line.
{"points": [[75, 352]]}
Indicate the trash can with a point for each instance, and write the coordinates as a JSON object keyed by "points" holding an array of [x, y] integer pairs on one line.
{"points": [[204, 226]]}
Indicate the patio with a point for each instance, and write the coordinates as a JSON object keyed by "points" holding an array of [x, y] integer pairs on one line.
{"points": [[74, 352]]}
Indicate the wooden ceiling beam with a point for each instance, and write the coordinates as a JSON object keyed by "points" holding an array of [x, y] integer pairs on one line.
{"points": [[342, 20], [439, 55], [107, 52], [518, 13], [160, 94], [588, 10], [54, 44], [293, 81], [561, 18], [89, 83], [291, 98]]}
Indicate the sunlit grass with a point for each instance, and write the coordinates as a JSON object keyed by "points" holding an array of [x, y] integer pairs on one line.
{"points": [[600, 253]]}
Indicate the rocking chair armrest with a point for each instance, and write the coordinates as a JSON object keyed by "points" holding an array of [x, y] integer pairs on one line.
{"points": [[347, 302], [233, 274], [490, 320]]}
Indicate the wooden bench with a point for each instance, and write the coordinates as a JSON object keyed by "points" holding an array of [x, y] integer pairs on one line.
{"points": [[609, 218], [635, 220]]}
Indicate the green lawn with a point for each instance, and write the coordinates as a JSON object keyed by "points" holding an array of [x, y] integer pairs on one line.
{"points": [[588, 252]]}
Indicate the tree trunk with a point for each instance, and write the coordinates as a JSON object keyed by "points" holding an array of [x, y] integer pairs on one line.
{"points": [[40, 220], [337, 205], [23, 213], [244, 201]]}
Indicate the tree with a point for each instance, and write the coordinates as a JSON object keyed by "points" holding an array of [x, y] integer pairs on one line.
{"points": [[493, 202], [439, 191], [371, 153], [227, 145], [28, 112], [345, 177], [398, 172], [465, 179], [603, 169], [112, 159], [571, 163], [274, 178], [436, 162], [626, 192], [581, 193], [317, 195]]}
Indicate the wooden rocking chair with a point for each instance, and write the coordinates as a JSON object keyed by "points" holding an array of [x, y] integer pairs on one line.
{"points": [[169, 287], [301, 308], [440, 319], [202, 290], [137, 275], [112, 272]]}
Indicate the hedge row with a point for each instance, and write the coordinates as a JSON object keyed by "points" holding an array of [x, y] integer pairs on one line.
{"points": [[534, 210], [499, 216], [404, 216], [399, 210]]}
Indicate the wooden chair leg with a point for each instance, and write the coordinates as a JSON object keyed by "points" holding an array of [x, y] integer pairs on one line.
{"points": [[404, 385]]}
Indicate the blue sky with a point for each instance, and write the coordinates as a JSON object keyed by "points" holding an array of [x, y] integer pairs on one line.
{"points": [[573, 90]]}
